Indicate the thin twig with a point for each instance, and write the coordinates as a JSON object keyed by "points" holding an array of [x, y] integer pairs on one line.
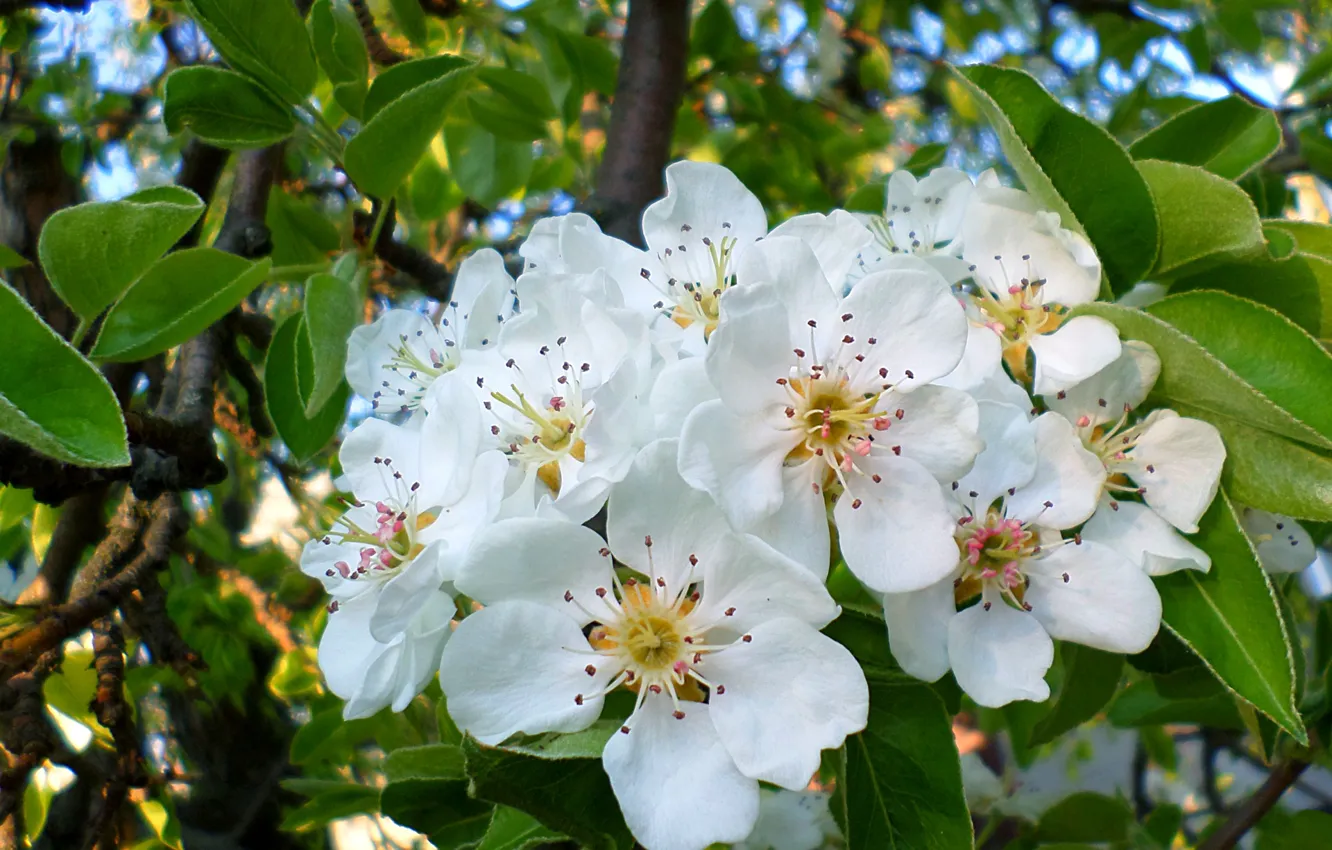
{"points": [[1252, 810]]}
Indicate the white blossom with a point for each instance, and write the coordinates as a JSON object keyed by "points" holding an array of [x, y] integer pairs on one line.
{"points": [[715, 632], [1283, 545], [921, 218], [792, 820]]}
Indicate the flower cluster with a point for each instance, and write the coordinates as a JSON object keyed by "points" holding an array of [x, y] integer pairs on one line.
{"points": [[914, 394]]}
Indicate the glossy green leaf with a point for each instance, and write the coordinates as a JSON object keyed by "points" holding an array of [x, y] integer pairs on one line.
{"points": [[93, 252], [523, 91], [16, 503], [388, 147], [411, 18], [1053, 151], [429, 761], [392, 83], [1193, 376], [486, 168], [925, 158], [899, 783], [11, 259], [332, 309], [288, 368], [334, 802], [1230, 618], [1299, 287], [506, 120], [1090, 679], [1263, 348], [571, 795], [51, 398], [1085, 816], [340, 48], [301, 234], [1311, 237], [1272, 473], [223, 108], [1186, 696], [1307, 830], [1204, 219], [263, 39], [1227, 137], [511, 829], [181, 295]]}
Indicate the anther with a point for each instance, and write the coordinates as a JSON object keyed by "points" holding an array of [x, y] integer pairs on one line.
{"points": [[601, 592], [678, 715], [693, 560], [747, 638], [846, 317], [590, 670], [730, 612], [568, 596]]}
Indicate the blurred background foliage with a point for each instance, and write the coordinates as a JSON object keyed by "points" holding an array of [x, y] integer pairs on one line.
{"points": [[810, 103]]}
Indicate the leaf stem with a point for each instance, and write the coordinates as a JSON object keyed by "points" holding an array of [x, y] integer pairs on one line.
{"points": [[381, 215]]}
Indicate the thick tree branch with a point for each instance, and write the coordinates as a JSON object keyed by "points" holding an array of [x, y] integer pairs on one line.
{"points": [[9, 7], [647, 95], [1252, 810], [379, 49]]}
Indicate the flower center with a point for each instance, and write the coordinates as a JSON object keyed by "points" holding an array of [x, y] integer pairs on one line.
{"points": [[543, 435], [994, 553], [1112, 444], [694, 284], [394, 539], [414, 370], [1017, 312]]}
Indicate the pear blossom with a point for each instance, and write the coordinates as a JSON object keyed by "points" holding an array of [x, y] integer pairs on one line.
{"points": [[714, 632], [792, 820], [420, 493], [921, 218], [820, 399], [1172, 462], [1283, 545], [696, 236], [1024, 584], [1027, 272], [563, 394], [394, 360]]}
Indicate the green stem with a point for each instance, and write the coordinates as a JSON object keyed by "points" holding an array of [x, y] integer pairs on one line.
{"points": [[380, 218], [80, 332]]}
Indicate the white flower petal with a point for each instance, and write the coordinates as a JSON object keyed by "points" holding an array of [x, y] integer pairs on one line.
{"points": [[450, 441], [1103, 397], [1138, 533], [981, 360], [790, 693], [900, 535], [737, 460], [1000, 655], [370, 367], [1178, 462], [789, 273], [791, 820], [1008, 238], [918, 628], [677, 785], [1282, 543], [362, 454], [508, 668], [707, 199], [1107, 603], [681, 386], [835, 238], [538, 560], [404, 595], [914, 320], [1008, 459], [1067, 482], [654, 501], [750, 349], [756, 584], [938, 429], [1081, 347], [799, 528]]}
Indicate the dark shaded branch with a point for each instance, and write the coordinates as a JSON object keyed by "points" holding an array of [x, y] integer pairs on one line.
{"points": [[638, 143], [380, 52], [201, 167], [80, 526], [432, 276], [1252, 810], [9, 7]]}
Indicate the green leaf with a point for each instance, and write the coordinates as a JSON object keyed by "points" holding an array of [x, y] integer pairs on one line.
{"points": [[1204, 218], [51, 398], [10, 259], [511, 829], [332, 803], [487, 169], [1269, 472], [1307, 830], [223, 108], [523, 91], [331, 311], [430, 761], [392, 83], [411, 18], [433, 805], [1230, 618], [388, 147], [899, 782], [1053, 151], [584, 744], [302, 235], [924, 158], [504, 119], [340, 48], [1193, 376], [175, 300], [1090, 679], [1299, 287], [1263, 348], [1227, 137], [572, 795], [93, 252], [288, 367], [1311, 237], [1185, 696], [869, 198], [160, 815], [1085, 816], [263, 39], [317, 735]]}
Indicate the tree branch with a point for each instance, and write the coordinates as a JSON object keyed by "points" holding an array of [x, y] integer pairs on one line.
{"points": [[642, 124], [1252, 810], [379, 49], [9, 7], [433, 276]]}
